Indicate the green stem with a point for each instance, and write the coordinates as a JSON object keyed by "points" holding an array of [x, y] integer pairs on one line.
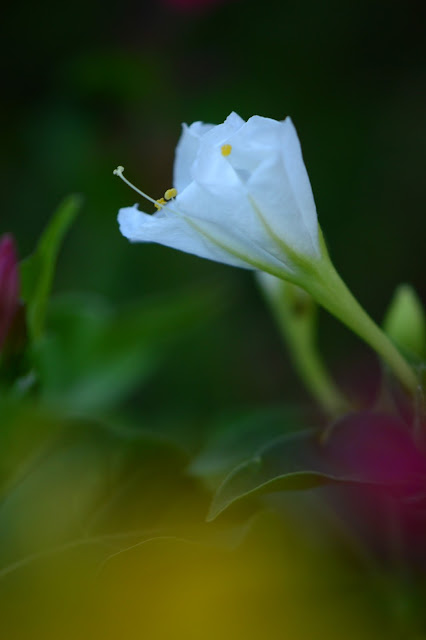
{"points": [[312, 371], [329, 290], [296, 319]]}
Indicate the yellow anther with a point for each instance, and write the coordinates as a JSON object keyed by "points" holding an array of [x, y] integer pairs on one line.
{"points": [[160, 203], [226, 149], [170, 193]]}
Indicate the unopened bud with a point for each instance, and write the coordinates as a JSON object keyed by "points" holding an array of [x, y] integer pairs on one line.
{"points": [[405, 321], [9, 285]]}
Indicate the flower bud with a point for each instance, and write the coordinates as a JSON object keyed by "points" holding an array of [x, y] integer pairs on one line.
{"points": [[9, 286], [405, 321]]}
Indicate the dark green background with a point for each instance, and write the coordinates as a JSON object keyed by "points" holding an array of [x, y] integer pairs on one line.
{"points": [[90, 85]]}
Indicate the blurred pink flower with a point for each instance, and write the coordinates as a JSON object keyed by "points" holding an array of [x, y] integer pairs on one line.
{"points": [[9, 285]]}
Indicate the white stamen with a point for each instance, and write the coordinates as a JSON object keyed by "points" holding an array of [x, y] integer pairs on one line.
{"points": [[119, 172]]}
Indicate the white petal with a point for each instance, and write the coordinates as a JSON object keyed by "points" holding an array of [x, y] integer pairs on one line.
{"points": [[257, 138], [218, 194], [271, 194], [173, 231], [284, 197], [220, 134], [299, 179], [189, 143], [198, 236], [186, 152]]}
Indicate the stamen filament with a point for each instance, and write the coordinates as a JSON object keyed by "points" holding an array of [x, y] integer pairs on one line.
{"points": [[119, 172]]}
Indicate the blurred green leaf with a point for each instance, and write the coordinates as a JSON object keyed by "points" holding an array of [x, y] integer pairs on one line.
{"points": [[363, 448], [88, 478], [25, 428], [238, 438], [289, 463], [92, 356], [37, 270]]}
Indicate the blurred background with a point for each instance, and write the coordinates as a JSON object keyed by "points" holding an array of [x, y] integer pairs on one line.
{"points": [[90, 85]]}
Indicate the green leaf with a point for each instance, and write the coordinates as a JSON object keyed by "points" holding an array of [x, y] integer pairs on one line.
{"points": [[363, 449], [239, 437], [37, 270], [92, 356], [289, 463], [80, 478]]}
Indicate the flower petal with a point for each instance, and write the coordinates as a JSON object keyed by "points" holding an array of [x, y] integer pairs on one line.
{"points": [[199, 236], [218, 194], [189, 144], [256, 138], [299, 179], [272, 195], [173, 231], [220, 134], [186, 152]]}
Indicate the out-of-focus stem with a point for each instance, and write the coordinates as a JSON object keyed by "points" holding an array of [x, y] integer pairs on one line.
{"points": [[295, 313]]}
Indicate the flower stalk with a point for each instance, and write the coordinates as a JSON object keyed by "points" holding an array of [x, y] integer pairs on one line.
{"points": [[329, 290], [295, 313]]}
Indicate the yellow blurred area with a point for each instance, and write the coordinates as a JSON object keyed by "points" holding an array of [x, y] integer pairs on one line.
{"points": [[102, 535], [273, 585]]}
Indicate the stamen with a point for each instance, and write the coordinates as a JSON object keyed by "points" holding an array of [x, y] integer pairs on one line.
{"points": [[226, 149], [160, 203], [119, 172], [170, 193]]}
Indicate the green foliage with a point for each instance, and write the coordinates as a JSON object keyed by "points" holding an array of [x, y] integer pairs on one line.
{"points": [[236, 438], [289, 463], [81, 479], [363, 449], [37, 271], [92, 356]]}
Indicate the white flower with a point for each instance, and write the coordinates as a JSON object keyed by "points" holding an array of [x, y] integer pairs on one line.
{"points": [[243, 198]]}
